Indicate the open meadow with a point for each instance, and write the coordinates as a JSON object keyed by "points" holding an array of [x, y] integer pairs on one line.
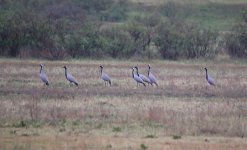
{"points": [[184, 112]]}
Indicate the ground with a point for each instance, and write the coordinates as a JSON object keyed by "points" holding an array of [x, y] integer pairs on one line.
{"points": [[184, 112]]}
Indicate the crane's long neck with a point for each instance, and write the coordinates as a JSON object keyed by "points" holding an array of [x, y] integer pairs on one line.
{"points": [[40, 69], [206, 74], [137, 72], [133, 73], [148, 71], [101, 71], [65, 72]]}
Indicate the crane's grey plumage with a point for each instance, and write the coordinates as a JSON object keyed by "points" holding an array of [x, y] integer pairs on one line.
{"points": [[152, 77], [43, 76], [143, 77], [210, 80], [69, 77], [105, 76], [137, 78]]}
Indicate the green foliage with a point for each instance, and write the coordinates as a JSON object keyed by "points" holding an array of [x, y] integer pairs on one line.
{"points": [[117, 12], [180, 39], [119, 42], [150, 136], [116, 129], [236, 42], [140, 37], [25, 124], [26, 30], [244, 15], [176, 137], [109, 146], [143, 147], [21, 124], [56, 29], [174, 10]]}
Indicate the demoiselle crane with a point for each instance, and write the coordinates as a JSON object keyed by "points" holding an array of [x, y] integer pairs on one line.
{"points": [[43, 77], [210, 80], [151, 77], [69, 77], [137, 78], [105, 76], [143, 77]]}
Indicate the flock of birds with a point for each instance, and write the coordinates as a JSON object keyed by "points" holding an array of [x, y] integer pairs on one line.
{"points": [[139, 78]]}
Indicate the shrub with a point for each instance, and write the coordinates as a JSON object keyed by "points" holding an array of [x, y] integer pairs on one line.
{"points": [[143, 147], [117, 12], [116, 129], [171, 9], [150, 136], [120, 44], [175, 137], [20, 30], [180, 39], [236, 42], [200, 43], [140, 37]]}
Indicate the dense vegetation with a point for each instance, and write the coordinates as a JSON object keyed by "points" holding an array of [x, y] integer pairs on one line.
{"points": [[57, 29]]}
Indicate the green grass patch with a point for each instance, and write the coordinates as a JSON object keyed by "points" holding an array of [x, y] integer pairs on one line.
{"points": [[215, 15], [176, 137], [143, 147], [150, 136], [109, 146], [116, 129]]}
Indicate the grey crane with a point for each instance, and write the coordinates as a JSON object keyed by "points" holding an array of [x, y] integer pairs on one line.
{"points": [[143, 77], [137, 78], [210, 80], [105, 76], [43, 76], [152, 77], [69, 77]]}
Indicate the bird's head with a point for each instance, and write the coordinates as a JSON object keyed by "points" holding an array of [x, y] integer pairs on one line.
{"points": [[149, 66], [136, 67], [101, 66], [64, 67], [206, 68], [41, 65]]}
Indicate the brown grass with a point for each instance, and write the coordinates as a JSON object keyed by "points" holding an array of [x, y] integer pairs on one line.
{"points": [[183, 105], [120, 143]]}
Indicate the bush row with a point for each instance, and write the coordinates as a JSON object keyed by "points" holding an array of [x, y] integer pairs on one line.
{"points": [[60, 31]]}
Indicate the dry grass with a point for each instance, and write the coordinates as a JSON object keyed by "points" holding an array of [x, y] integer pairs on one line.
{"points": [[121, 116], [122, 143]]}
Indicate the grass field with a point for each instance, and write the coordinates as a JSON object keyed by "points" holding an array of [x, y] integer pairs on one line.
{"points": [[220, 15], [158, 2], [182, 113]]}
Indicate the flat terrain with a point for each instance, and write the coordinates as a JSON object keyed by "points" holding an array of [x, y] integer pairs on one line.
{"points": [[182, 113]]}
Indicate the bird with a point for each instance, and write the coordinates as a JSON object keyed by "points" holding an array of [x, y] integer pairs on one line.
{"points": [[210, 80], [137, 78], [143, 77], [69, 77], [43, 76], [151, 77], [105, 76]]}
